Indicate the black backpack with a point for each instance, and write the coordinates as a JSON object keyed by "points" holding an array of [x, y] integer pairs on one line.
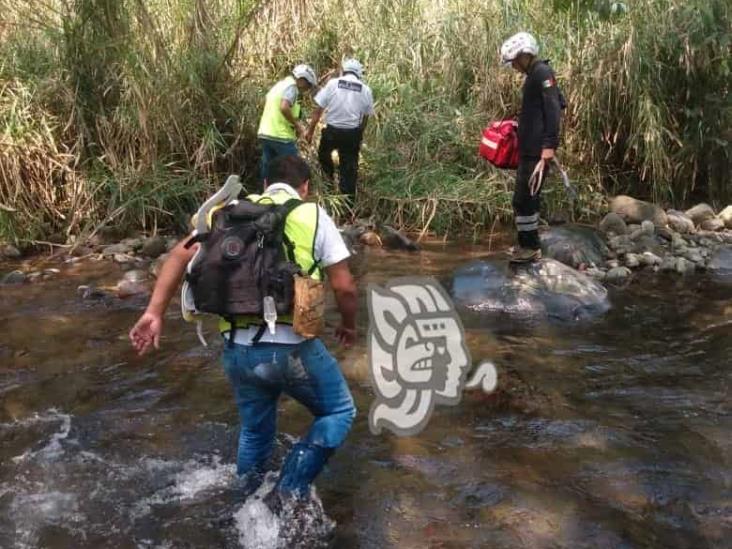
{"points": [[243, 259]]}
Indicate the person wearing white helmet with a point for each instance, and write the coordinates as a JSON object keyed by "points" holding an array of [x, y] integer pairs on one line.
{"points": [[347, 102], [280, 126], [538, 135]]}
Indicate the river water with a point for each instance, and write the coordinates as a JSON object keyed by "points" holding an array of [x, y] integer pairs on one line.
{"points": [[613, 432]]}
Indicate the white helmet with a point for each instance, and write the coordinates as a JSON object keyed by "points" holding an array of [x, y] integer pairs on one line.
{"points": [[306, 72], [519, 43], [353, 65]]}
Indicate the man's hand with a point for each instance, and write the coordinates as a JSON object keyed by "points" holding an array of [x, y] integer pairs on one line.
{"points": [[146, 332], [345, 336], [547, 154]]}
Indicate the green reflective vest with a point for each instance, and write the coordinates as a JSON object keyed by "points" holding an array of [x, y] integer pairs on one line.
{"points": [[300, 227], [273, 123]]}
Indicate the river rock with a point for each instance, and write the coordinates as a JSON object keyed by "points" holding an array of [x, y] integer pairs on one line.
{"points": [[91, 293], [677, 242], [12, 278], [637, 211], [680, 222], [154, 246], [726, 216], [114, 249], [370, 238], [157, 265], [621, 244], [9, 251], [618, 274], [127, 288], [648, 228], [544, 288], [650, 259], [123, 258], [612, 263], [665, 233], [597, 274], [396, 240], [632, 261], [713, 224], [574, 245], [699, 213], [613, 223], [668, 263], [684, 266], [135, 244], [695, 255]]}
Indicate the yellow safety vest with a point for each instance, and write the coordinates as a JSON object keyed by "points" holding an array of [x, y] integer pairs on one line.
{"points": [[300, 227], [273, 123]]}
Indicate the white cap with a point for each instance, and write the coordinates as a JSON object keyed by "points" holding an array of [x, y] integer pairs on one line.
{"points": [[306, 72], [354, 66]]}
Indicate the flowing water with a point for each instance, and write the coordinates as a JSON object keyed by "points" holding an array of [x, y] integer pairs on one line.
{"points": [[608, 433]]}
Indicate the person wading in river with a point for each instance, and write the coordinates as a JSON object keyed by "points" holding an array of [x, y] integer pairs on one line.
{"points": [[261, 365], [348, 103], [538, 136], [280, 126]]}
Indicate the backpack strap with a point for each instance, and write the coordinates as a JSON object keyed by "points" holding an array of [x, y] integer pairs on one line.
{"points": [[287, 209]]}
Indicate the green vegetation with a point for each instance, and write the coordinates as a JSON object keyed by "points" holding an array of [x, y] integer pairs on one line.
{"points": [[127, 112]]}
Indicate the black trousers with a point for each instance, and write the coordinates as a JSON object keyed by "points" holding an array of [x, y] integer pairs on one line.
{"points": [[526, 207], [348, 144]]}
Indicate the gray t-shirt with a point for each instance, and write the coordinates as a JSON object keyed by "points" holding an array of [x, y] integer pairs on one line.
{"points": [[290, 94]]}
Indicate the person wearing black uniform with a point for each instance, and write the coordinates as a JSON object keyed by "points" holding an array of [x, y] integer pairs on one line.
{"points": [[538, 136]]}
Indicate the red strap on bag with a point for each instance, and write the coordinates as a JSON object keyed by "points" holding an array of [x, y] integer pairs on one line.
{"points": [[499, 144]]}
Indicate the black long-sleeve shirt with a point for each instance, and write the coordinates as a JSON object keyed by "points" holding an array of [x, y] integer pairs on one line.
{"points": [[540, 111]]}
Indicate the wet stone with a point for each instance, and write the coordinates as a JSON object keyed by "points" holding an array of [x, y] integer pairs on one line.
{"points": [[13, 278], [154, 246], [700, 213], [714, 224]]}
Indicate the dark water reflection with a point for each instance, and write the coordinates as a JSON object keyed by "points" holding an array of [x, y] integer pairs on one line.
{"points": [[611, 433]]}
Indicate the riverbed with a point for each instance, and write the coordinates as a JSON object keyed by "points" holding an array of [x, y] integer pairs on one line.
{"points": [[610, 432]]}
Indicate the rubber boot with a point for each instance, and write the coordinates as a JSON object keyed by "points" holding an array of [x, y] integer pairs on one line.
{"points": [[250, 481], [303, 464]]}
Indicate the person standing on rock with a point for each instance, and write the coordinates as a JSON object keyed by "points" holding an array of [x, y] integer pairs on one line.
{"points": [[538, 136], [262, 364], [280, 126], [348, 102]]}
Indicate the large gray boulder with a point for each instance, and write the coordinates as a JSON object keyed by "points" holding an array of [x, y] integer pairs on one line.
{"points": [[713, 224], [574, 245], [726, 216], [613, 223], [633, 210], [680, 222], [700, 213], [544, 289]]}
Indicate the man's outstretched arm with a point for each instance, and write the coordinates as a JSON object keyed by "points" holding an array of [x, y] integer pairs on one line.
{"points": [[147, 329]]}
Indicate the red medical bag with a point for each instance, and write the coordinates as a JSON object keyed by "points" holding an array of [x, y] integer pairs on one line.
{"points": [[499, 144]]}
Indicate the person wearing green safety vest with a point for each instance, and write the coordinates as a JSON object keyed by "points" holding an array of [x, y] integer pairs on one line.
{"points": [[279, 126], [260, 368]]}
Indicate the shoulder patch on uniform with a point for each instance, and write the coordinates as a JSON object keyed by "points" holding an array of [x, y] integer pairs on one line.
{"points": [[350, 86], [549, 82]]}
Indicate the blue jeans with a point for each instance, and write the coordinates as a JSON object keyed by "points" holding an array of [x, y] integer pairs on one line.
{"points": [[271, 149], [308, 373]]}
